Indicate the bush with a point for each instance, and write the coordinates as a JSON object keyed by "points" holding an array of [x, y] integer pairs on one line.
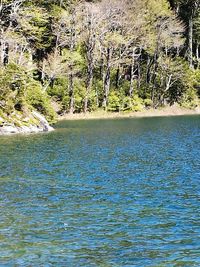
{"points": [[79, 96], [92, 101], [20, 93], [65, 103], [148, 103], [190, 99], [12, 87], [134, 103], [39, 100], [114, 102], [137, 103], [59, 88]]}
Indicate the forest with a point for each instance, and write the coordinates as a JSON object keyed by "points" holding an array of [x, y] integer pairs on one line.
{"points": [[81, 56]]}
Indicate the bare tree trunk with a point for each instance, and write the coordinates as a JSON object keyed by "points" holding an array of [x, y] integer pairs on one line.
{"points": [[43, 71], [191, 42], [132, 73], [90, 44], [155, 62], [97, 96], [139, 78], [71, 75], [101, 67], [154, 83], [88, 83], [23, 49], [30, 59], [148, 70], [106, 86], [197, 54], [4, 53], [168, 83], [61, 3], [117, 77], [90, 67], [71, 93], [177, 8]]}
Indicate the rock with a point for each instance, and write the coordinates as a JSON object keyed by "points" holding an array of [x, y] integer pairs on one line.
{"points": [[43, 122], [8, 129], [43, 126]]}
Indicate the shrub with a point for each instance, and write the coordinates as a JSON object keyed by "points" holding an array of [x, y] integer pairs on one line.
{"points": [[134, 103], [114, 102], [148, 103], [59, 88], [39, 100], [20, 93], [92, 101], [190, 99]]}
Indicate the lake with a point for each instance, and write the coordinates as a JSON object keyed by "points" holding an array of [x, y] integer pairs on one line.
{"points": [[123, 192]]}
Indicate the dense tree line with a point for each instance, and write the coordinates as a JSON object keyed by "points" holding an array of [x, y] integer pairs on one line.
{"points": [[110, 54]]}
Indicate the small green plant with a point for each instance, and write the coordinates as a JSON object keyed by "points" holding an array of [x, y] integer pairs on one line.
{"points": [[134, 103], [190, 99], [148, 103], [114, 102]]}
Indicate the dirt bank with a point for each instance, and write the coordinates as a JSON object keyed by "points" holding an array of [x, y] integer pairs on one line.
{"points": [[166, 111]]}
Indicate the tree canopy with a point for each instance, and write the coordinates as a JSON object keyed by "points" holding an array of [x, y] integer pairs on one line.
{"points": [[84, 55]]}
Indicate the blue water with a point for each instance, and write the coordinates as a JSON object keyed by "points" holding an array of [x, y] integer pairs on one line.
{"points": [[102, 193]]}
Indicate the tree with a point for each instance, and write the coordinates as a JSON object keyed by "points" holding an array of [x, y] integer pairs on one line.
{"points": [[90, 18]]}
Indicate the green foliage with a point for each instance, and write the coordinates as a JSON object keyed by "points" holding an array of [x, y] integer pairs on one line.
{"points": [[134, 103], [98, 88], [114, 102], [79, 95], [13, 82], [93, 101], [190, 97], [119, 102], [19, 92], [148, 103], [80, 52], [35, 26], [59, 88], [40, 101], [65, 103]]}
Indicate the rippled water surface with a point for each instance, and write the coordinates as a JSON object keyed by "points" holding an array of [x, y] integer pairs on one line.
{"points": [[102, 193]]}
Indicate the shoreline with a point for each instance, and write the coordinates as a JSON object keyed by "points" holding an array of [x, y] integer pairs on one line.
{"points": [[10, 129], [162, 112]]}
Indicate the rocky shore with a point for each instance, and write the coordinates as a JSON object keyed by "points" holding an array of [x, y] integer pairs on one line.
{"points": [[7, 128]]}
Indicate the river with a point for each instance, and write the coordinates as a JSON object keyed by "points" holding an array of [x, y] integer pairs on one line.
{"points": [[120, 193]]}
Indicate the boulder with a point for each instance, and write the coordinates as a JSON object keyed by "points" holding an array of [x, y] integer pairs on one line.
{"points": [[42, 126], [43, 122]]}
